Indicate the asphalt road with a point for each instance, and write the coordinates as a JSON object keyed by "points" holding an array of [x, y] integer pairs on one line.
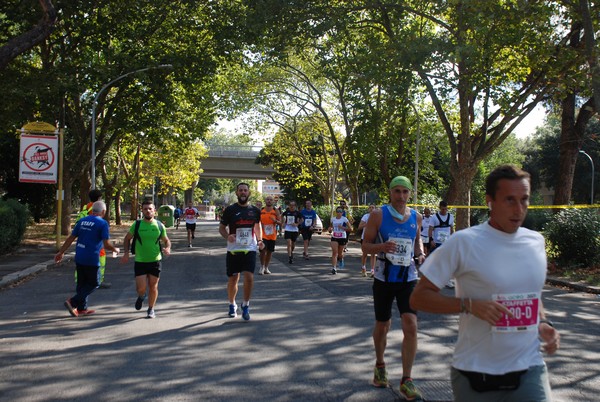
{"points": [[309, 338]]}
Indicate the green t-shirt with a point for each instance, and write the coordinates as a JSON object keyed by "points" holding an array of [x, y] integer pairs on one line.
{"points": [[149, 249]]}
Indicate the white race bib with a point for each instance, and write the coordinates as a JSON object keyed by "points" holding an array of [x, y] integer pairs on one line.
{"points": [[269, 229], [338, 232], [442, 236], [290, 219], [403, 253], [243, 236], [308, 222]]}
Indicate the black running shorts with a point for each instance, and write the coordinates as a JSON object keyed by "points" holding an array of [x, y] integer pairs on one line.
{"points": [[384, 294], [147, 268], [240, 262]]}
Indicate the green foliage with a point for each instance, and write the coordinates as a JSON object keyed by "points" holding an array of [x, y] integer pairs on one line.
{"points": [[14, 217], [574, 236], [537, 219]]}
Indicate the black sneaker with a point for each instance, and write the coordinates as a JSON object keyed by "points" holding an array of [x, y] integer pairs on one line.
{"points": [[139, 301], [291, 260]]}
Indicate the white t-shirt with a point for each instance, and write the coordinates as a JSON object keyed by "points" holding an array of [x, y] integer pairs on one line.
{"points": [[190, 214], [425, 229], [339, 227], [487, 262], [365, 219]]}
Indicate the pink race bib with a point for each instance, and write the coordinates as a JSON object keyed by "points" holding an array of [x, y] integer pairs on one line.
{"points": [[525, 310]]}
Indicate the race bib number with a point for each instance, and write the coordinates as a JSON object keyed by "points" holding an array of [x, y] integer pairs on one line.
{"points": [[339, 232], [525, 310], [243, 236], [403, 253], [425, 239], [290, 219], [442, 237], [269, 229], [308, 222]]}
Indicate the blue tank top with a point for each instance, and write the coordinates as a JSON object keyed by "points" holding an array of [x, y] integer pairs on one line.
{"points": [[399, 266]]}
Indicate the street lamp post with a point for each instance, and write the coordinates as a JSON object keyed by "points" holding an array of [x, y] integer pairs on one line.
{"points": [[592, 162], [95, 103]]}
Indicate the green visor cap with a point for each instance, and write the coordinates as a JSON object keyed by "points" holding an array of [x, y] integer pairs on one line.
{"points": [[401, 181]]}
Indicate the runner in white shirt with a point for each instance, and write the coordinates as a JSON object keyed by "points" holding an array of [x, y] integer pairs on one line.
{"points": [[339, 229], [500, 270], [362, 224], [425, 229], [190, 214]]}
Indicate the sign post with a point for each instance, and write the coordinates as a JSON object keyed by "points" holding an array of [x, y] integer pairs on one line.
{"points": [[41, 160]]}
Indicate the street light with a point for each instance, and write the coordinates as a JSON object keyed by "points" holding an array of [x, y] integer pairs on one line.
{"points": [[95, 103], [592, 162]]}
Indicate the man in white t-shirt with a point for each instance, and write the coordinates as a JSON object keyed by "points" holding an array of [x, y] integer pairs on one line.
{"points": [[425, 229], [361, 226], [441, 226], [500, 270], [190, 214]]}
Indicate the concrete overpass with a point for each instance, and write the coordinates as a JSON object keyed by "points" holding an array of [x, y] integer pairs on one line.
{"points": [[234, 162]]}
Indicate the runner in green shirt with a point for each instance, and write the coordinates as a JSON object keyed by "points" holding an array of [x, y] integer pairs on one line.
{"points": [[148, 255]]}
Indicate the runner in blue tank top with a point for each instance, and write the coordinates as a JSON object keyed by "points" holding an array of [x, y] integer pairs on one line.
{"points": [[393, 232]]}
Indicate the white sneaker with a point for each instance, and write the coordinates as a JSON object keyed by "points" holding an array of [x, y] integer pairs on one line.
{"points": [[261, 270], [450, 284], [267, 272]]}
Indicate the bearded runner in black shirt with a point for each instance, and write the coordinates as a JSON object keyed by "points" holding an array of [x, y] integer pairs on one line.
{"points": [[240, 226]]}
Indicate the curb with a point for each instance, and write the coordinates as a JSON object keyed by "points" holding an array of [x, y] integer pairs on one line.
{"points": [[579, 286], [10, 279]]}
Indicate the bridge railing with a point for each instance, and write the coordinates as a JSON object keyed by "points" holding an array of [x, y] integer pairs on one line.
{"points": [[233, 150]]}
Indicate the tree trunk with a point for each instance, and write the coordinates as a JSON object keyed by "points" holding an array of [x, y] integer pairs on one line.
{"points": [[65, 223], [118, 207], [460, 192], [572, 132]]}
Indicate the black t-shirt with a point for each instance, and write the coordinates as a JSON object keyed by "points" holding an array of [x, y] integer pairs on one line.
{"points": [[235, 216]]}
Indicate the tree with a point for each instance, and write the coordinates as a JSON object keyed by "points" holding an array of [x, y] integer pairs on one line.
{"points": [[303, 158], [25, 41], [481, 76], [96, 42]]}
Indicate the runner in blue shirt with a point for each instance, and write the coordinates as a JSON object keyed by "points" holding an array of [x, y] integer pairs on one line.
{"points": [[308, 225], [91, 233]]}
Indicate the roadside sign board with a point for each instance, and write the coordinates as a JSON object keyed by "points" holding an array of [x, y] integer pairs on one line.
{"points": [[38, 159]]}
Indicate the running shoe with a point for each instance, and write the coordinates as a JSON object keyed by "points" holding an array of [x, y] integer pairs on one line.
{"points": [[190, 245], [305, 256], [139, 301], [409, 390], [261, 270], [380, 377], [291, 259], [151, 313], [363, 272], [81, 313], [69, 307], [267, 272], [233, 310], [333, 271], [341, 263], [450, 284], [246, 312]]}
